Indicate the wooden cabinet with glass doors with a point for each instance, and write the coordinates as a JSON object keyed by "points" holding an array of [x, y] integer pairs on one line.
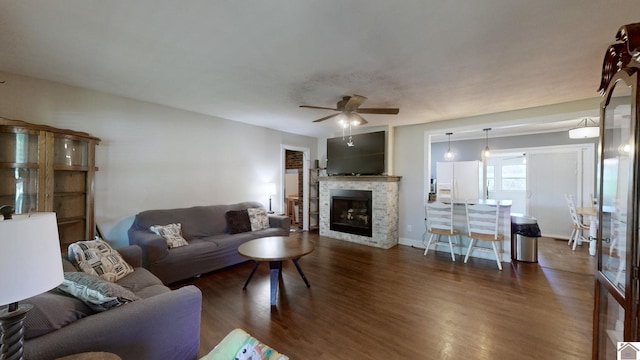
{"points": [[616, 289], [43, 168]]}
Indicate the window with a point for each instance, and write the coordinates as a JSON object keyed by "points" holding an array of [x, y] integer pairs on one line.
{"points": [[491, 178], [514, 177]]}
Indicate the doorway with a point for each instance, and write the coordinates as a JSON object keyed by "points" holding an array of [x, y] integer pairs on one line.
{"points": [[295, 166], [536, 179]]}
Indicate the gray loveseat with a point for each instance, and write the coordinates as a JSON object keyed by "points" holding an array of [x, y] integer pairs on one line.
{"points": [[164, 324], [211, 245]]}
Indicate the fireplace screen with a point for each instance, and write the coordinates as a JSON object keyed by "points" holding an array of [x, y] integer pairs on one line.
{"points": [[351, 212]]}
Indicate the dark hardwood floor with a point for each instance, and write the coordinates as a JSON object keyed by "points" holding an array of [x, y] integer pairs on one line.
{"points": [[369, 303]]}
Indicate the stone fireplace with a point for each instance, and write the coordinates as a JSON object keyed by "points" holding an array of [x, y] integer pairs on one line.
{"points": [[361, 209]]}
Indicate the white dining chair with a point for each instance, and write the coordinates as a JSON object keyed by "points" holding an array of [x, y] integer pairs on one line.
{"points": [[439, 221], [482, 223], [577, 226]]}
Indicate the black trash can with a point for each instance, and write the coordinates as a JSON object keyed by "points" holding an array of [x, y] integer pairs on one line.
{"points": [[524, 238]]}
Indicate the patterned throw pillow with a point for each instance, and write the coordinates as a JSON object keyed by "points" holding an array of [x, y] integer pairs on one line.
{"points": [[98, 294], [258, 218], [96, 257], [172, 233], [238, 221]]}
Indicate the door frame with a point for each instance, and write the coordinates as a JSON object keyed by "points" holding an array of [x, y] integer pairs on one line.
{"points": [[306, 160]]}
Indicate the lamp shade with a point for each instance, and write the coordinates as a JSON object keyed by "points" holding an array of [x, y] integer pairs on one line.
{"points": [[587, 128], [271, 188], [584, 132], [30, 260]]}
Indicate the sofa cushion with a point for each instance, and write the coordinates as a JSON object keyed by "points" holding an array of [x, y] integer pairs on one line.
{"points": [[96, 257], [51, 311], [97, 293], [143, 283], [170, 232], [238, 221], [258, 218]]}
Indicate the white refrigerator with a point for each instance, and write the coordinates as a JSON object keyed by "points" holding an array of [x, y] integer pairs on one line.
{"points": [[459, 180]]}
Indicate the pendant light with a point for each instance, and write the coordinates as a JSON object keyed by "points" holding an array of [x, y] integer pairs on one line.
{"points": [[449, 154], [487, 151], [587, 128]]}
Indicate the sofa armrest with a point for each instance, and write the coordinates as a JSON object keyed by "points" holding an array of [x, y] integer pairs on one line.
{"points": [[154, 247], [165, 326], [280, 221], [132, 254]]}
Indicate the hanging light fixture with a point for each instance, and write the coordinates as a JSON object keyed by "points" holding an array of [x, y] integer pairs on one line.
{"points": [[587, 128], [487, 151], [347, 121], [449, 154]]}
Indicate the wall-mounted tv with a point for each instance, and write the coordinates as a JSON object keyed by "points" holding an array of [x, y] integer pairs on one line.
{"points": [[365, 157]]}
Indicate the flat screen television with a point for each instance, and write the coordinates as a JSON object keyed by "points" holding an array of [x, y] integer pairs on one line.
{"points": [[365, 157]]}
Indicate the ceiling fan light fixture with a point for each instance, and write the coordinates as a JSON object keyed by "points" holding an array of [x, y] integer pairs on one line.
{"points": [[584, 130]]}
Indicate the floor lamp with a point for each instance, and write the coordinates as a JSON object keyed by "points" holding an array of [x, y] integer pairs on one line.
{"points": [[30, 264]]}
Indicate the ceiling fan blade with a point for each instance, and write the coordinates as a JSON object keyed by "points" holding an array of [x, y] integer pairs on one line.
{"points": [[326, 117], [354, 102], [318, 107], [382, 111]]}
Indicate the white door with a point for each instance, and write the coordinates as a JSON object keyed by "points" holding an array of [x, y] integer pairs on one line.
{"points": [[551, 175]]}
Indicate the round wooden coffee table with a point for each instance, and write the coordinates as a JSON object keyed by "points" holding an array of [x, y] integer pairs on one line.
{"points": [[275, 250]]}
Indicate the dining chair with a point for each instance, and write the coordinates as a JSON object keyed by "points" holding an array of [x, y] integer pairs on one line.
{"points": [[482, 223], [439, 221], [577, 226], [618, 245]]}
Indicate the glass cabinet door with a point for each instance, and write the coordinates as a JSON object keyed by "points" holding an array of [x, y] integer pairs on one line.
{"points": [[615, 312], [70, 187], [20, 170], [616, 175]]}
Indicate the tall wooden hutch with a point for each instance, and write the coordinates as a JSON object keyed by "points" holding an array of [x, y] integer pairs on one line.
{"points": [[616, 289], [43, 168]]}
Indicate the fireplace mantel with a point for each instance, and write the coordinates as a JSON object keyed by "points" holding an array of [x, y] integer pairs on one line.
{"points": [[361, 178], [385, 197]]}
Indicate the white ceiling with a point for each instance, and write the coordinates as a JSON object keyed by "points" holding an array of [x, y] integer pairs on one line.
{"points": [[256, 61]]}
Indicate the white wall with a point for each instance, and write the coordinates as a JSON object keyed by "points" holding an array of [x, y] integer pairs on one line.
{"points": [[153, 156]]}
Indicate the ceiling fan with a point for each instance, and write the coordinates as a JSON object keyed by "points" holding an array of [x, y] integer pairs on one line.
{"points": [[350, 107]]}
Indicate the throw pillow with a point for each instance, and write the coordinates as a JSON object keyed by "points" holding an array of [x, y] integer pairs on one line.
{"points": [[96, 257], [238, 344], [238, 221], [172, 233], [98, 294], [258, 218]]}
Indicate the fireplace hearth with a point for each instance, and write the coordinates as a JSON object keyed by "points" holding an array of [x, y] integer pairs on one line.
{"points": [[350, 212]]}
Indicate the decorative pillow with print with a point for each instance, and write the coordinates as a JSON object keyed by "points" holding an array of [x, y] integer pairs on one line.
{"points": [[258, 218], [96, 257], [98, 294], [172, 233]]}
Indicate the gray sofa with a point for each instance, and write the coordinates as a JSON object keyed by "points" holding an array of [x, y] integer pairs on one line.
{"points": [[211, 245], [164, 324]]}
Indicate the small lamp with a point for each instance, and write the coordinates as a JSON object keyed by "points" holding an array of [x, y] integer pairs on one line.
{"points": [[30, 264], [271, 190]]}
